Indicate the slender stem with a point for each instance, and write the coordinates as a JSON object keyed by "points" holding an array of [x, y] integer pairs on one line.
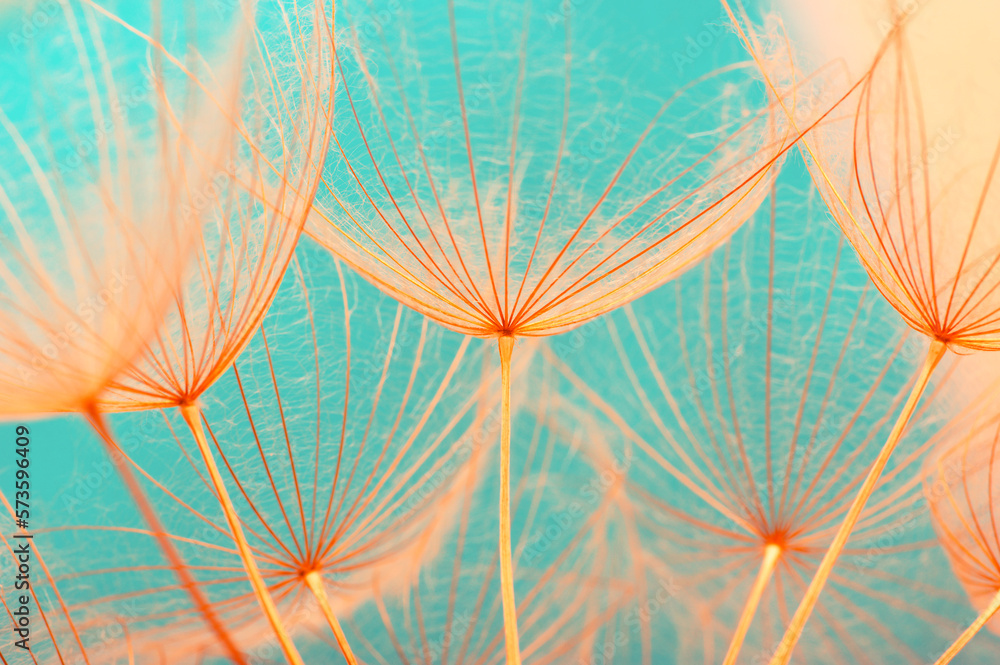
{"points": [[192, 415], [771, 555], [315, 583], [121, 464], [506, 564], [784, 651], [971, 631], [128, 643]]}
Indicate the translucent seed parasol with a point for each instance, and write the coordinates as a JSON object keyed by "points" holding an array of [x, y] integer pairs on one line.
{"points": [[253, 210], [108, 143], [960, 488], [343, 443], [752, 423], [508, 170], [905, 153]]}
